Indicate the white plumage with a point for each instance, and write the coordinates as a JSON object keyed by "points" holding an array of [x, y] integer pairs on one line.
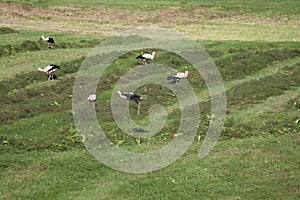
{"points": [[178, 76], [92, 99], [50, 41], [49, 70], [146, 57]]}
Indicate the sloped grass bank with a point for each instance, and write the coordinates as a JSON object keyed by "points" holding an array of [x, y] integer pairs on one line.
{"points": [[28, 45], [28, 96]]}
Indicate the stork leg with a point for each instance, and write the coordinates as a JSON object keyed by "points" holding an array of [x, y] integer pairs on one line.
{"points": [[138, 111]]}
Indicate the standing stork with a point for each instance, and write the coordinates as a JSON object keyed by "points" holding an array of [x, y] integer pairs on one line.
{"points": [[178, 76], [92, 99], [132, 97], [49, 70], [50, 41], [146, 57]]}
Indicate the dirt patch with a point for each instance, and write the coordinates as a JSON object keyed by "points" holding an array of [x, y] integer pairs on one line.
{"points": [[101, 20], [174, 15]]}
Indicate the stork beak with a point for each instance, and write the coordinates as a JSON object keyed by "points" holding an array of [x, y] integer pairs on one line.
{"points": [[189, 74]]}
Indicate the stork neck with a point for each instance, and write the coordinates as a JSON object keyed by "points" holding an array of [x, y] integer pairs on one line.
{"points": [[120, 94], [153, 54], [43, 37]]}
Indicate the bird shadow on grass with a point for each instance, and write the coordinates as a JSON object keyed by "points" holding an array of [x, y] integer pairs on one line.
{"points": [[140, 130], [173, 81]]}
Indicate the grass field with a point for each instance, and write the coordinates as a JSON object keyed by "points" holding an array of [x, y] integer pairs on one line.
{"points": [[256, 48]]}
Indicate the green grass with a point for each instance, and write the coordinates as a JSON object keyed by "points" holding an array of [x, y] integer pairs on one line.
{"points": [[16, 37], [257, 156], [53, 136], [253, 168], [249, 161]]}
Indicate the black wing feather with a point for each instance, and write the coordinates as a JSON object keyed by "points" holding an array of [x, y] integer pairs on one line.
{"points": [[50, 40], [53, 68], [140, 57]]}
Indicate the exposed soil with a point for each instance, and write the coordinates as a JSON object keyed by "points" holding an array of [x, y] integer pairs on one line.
{"points": [[108, 21]]}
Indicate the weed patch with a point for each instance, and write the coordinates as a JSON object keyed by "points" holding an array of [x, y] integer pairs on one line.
{"points": [[258, 90], [6, 50], [294, 103], [22, 99], [6, 30], [59, 134], [241, 63]]}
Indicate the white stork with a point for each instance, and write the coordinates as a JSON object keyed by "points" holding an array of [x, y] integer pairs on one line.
{"points": [[178, 76], [49, 70], [50, 41], [146, 57], [92, 99], [132, 97]]}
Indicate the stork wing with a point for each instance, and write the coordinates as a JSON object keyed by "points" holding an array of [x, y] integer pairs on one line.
{"points": [[147, 56], [48, 68], [128, 94], [179, 75], [53, 68]]}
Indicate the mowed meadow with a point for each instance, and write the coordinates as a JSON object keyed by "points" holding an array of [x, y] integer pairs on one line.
{"points": [[256, 48]]}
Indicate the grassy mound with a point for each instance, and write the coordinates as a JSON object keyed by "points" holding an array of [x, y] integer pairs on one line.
{"points": [[29, 95], [8, 49], [6, 30]]}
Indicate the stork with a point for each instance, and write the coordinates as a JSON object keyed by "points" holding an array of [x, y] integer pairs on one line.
{"points": [[146, 57], [49, 70], [178, 76], [92, 99], [50, 41], [132, 97]]}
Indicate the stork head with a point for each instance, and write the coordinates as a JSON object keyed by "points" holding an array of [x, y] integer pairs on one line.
{"points": [[154, 53]]}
